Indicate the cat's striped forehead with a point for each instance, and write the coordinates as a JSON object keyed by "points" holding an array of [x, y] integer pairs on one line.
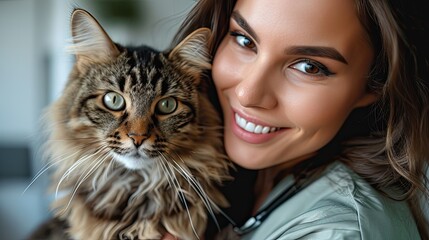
{"points": [[143, 74], [145, 67]]}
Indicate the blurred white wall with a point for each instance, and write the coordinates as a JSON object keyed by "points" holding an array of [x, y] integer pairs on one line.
{"points": [[18, 68], [33, 70]]}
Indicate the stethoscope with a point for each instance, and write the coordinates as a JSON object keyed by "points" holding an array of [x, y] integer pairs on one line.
{"points": [[255, 221]]}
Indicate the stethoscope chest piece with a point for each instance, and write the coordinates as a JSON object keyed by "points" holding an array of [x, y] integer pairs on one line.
{"points": [[251, 224]]}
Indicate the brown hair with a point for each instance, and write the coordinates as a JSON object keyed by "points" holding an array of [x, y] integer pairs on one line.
{"points": [[393, 157], [397, 158], [213, 14]]}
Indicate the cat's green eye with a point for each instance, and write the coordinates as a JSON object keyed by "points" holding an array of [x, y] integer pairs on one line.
{"points": [[166, 105], [114, 101]]}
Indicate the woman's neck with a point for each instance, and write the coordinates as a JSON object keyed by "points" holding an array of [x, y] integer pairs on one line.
{"points": [[269, 177]]}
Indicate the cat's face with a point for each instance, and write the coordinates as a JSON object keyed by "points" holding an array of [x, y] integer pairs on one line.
{"points": [[137, 104]]}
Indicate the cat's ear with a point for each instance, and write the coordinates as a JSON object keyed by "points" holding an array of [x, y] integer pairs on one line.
{"points": [[91, 44], [193, 52]]}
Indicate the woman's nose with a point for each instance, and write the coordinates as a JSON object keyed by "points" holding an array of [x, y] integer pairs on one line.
{"points": [[255, 88]]}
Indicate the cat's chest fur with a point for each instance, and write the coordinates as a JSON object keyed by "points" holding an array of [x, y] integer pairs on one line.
{"points": [[135, 141]]}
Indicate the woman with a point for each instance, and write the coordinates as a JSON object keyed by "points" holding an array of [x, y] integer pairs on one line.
{"points": [[329, 101]]}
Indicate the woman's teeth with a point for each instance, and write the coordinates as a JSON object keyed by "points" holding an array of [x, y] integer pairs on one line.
{"points": [[252, 127]]}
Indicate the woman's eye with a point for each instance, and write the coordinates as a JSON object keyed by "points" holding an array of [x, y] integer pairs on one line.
{"points": [[312, 68], [243, 41], [114, 101], [166, 105]]}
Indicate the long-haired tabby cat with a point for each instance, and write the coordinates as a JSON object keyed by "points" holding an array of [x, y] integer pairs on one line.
{"points": [[135, 140]]}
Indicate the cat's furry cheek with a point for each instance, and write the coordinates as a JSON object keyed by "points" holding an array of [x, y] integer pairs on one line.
{"points": [[75, 124]]}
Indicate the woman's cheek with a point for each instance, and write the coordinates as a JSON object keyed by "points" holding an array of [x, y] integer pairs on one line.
{"points": [[312, 108]]}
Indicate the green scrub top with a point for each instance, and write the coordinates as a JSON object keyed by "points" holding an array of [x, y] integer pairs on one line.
{"points": [[338, 205]]}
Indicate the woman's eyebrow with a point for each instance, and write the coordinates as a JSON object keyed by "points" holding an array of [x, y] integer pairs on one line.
{"points": [[243, 24], [316, 51]]}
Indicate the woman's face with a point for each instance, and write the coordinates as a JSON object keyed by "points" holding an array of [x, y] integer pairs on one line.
{"points": [[288, 74]]}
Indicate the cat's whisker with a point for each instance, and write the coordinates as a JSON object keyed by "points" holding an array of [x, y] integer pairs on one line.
{"points": [[38, 174], [46, 168], [161, 168], [183, 198], [198, 189], [171, 178], [166, 170], [109, 167], [88, 173], [93, 163], [95, 179], [177, 187], [68, 172], [190, 177], [73, 167], [207, 201]]}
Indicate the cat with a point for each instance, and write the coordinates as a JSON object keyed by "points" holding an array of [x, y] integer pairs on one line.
{"points": [[135, 142]]}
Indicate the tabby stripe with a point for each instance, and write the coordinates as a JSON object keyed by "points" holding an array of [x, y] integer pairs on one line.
{"points": [[123, 117], [131, 60], [121, 83], [112, 81], [93, 120], [179, 126], [165, 86], [82, 103], [156, 78], [157, 63], [101, 109], [192, 107], [154, 121], [133, 77]]}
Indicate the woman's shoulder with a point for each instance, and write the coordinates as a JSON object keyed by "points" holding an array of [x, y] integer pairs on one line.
{"points": [[373, 213], [339, 205]]}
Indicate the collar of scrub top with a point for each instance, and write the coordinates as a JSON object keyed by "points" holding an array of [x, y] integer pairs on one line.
{"points": [[256, 220]]}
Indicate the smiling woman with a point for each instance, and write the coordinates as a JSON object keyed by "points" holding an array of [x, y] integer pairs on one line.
{"points": [[276, 83], [328, 101]]}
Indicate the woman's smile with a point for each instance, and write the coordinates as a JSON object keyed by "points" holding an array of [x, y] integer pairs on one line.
{"points": [[253, 127], [253, 131]]}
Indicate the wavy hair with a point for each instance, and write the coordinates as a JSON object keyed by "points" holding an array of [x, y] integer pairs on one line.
{"points": [[395, 160]]}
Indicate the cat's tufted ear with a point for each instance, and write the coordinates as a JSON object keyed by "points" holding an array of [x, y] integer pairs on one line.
{"points": [[193, 52], [91, 44]]}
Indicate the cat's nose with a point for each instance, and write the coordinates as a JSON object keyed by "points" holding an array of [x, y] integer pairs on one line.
{"points": [[138, 139]]}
